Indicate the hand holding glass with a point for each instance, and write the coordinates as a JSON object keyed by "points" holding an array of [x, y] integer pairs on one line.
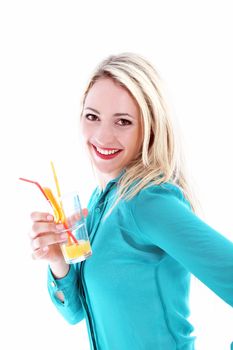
{"points": [[67, 210]]}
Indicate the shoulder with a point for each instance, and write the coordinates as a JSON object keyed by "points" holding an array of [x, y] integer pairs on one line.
{"points": [[165, 192], [160, 208]]}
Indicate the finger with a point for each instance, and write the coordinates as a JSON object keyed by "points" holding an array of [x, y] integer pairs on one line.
{"points": [[40, 253], [38, 216], [42, 227], [43, 241], [85, 212], [76, 217]]}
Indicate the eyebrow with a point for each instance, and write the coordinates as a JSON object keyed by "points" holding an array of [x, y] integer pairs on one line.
{"points": [[115, 114]]}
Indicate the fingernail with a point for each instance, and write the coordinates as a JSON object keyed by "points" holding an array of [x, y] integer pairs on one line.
{"points": [[50, 218]]}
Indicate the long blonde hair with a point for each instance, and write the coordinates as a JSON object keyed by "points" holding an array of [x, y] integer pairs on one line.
{"points": [[161, 159]]}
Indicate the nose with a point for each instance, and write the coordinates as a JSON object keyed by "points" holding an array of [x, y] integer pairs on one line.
{"points": [[104, 135]]}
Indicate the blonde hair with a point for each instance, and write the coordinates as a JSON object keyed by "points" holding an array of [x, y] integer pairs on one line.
{"points": [[161, 159]]}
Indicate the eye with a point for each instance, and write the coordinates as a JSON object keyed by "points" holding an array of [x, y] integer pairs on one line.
{"points": [[124, 122], [91, 117]]}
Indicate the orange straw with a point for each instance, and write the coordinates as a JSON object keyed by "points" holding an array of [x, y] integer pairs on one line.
{"points": [[41, 189]]}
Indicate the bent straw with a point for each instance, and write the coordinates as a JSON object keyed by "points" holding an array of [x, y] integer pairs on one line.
{"points": [[37, 184], [60, 202]]}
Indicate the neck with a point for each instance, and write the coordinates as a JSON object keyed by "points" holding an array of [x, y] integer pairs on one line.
{"points": [[105, 178]]}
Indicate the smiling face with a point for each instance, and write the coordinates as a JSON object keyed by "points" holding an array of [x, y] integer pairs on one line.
{"points": [[111, 128]]}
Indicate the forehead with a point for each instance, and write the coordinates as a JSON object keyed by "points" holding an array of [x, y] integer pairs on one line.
{"points": [[107, 93]]}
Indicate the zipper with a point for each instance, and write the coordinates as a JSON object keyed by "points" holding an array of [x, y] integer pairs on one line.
{"points": [[82, 292], [94, 228], [82, 284]]}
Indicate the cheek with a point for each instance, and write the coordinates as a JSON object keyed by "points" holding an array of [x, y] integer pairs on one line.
{"points": [[85, 131], [137, 142], [135, 138]]}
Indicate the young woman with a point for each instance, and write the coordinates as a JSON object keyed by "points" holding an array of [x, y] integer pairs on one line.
{"points": [[145, 234]]}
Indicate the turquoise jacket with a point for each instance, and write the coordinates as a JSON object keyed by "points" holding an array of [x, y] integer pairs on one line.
{"points": [[134, 290]]}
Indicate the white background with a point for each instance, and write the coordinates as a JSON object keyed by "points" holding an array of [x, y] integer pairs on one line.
{"points": [[48, 49]]}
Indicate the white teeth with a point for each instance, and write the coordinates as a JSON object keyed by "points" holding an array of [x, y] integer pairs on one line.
{"points": [[105, 151]]}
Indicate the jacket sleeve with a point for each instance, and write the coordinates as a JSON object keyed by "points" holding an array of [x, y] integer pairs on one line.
{"points": [[71, 309], [164, 218]]}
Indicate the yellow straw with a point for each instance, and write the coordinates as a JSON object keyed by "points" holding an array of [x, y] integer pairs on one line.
{"points": [[56, 181]]}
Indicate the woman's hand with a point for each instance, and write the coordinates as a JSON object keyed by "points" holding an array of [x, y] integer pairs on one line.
{"points": [[46, 238]]}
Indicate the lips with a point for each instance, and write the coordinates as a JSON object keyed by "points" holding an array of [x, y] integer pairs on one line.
{"points": [[106, 156]]}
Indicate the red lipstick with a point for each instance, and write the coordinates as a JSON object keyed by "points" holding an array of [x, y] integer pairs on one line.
{"points": [[107, 156]]}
